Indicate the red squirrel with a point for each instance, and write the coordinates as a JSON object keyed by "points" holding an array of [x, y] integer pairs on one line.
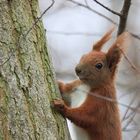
{"points": [[97, 116]]}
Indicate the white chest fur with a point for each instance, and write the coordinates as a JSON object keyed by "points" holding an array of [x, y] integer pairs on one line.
{"points": [[77, 98]]}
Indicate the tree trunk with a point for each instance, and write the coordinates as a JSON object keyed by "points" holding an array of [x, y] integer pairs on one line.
{"points": [[26, 79]]}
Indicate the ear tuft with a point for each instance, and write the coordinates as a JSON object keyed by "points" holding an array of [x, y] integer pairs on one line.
{"points": [[99, 44], [114, 54]]}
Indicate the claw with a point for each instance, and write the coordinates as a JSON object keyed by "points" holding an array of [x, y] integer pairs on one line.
{"points": [[59, 105]]}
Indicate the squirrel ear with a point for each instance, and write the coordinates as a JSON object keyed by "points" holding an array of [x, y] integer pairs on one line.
{"points": [[99, 44], [114, 54]]}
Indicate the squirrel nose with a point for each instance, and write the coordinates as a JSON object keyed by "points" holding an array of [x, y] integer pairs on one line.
{"points": [[78, 70]]}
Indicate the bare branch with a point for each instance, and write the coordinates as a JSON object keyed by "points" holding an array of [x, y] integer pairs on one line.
{"points": [[73, 33], [135, 36], [38, 18], [82, 33], [129, 61], [123, 18], [110, 10], [122, 104], [92, 10], [137, 134], [135, 109], [131, 102], [86, 2], [132, 129], [12, 51], [123, 15], [131, 118], [102, 15]]}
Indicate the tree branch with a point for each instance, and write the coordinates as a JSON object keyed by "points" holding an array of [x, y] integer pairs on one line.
{"points": [[123, 18], [73, 33], [123, 14], [129, 61], [131, 102], [134, 109], [92, 10], [110, 10], [102, 15], [137, 134], [136, 36], [38, 18]]}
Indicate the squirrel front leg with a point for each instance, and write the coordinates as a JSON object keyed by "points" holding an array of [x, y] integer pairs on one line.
{"points": [[69, 87], [76, 115]]}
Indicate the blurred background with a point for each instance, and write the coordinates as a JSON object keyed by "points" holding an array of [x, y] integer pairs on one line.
{"points": [[72, 27]]}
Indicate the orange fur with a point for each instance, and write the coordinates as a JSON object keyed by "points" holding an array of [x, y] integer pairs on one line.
{"points": [[98, 117], [99, 44]]}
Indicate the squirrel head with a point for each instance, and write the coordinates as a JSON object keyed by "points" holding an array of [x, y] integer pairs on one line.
{"points": [[98, 68]]}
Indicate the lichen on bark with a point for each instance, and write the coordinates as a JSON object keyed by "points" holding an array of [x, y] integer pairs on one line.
{"points": [[27, 83]]}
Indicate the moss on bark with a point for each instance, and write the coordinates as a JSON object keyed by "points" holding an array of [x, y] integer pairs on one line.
{"points": [[27, 83]]}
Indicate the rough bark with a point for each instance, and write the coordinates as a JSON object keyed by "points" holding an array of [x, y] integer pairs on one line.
{"points": [[26, 80]]}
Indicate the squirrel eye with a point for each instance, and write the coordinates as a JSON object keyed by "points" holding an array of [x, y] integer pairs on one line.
{"points": [[99, 66]]}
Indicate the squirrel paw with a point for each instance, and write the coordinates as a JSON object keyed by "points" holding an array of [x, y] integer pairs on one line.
{"points": [[59, 105], [61, 86]]}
